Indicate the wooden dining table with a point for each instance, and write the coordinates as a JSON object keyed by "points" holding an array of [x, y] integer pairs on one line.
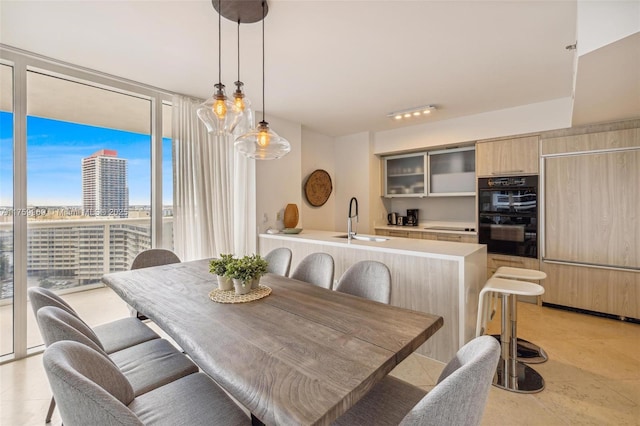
{"points": [[302, 355]]}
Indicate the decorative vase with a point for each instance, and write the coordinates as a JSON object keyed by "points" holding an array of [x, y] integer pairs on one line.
{"points": [[290, 216], [225, 283], [255, 283], [242, 287]]}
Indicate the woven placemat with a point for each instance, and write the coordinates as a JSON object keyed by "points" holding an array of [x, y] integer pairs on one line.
{"points": [[230, 296]]}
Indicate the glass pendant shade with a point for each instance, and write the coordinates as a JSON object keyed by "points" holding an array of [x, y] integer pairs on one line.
{"points": [[219, 113], [262, 143]]}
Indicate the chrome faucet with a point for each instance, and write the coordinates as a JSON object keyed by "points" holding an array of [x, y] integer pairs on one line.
{"points": [[350, 232]]}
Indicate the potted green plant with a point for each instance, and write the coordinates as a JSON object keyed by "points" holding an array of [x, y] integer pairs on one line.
{"points": [[219, 267], [259, 266], [246, 272]]}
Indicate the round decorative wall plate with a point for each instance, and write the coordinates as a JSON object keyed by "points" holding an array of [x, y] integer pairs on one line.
{"points": [[318, 187]]}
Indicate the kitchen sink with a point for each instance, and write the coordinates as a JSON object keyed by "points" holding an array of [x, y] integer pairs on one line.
{"points": [[364, 238]]}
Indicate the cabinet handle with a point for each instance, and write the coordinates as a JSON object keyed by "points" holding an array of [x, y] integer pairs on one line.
{"points": [[507, 171], [449, 237]]}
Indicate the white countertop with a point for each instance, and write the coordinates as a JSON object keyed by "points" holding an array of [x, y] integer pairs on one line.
{"points": [[409, 246]]}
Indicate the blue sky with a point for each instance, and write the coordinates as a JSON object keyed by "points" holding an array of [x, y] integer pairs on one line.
{"points": [[55, 150]]}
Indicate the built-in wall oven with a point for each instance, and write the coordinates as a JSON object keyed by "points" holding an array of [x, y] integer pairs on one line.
{"points": [[508, 215]]}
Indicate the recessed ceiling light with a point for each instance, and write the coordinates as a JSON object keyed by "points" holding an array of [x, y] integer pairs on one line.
{"points": [[412, 112]]}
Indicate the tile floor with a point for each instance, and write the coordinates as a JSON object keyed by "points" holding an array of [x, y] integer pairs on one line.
{"points": [[592, 376]]}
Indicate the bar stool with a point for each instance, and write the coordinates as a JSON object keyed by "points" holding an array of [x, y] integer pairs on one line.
{"points": [[527, 352], [511, 374]]}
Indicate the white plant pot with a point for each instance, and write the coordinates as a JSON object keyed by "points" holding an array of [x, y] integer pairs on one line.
{"points": [[225, 283], [255, 283], [242, 287]]}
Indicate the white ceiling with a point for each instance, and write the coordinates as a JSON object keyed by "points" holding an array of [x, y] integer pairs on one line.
{"points": [[337, 67]]}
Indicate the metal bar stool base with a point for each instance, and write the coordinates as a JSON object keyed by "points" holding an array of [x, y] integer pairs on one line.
{"points": [[527, 380], [528, 352]]}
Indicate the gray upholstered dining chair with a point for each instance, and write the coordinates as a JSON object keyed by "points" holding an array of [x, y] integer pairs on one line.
{"points": [[147, 366], [148, 258], [369, 279], [459, 397], [90, 390], [114, 336], [154, 257], [279, 261], [317, 269]]}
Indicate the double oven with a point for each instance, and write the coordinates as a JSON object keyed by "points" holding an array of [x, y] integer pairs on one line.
{"points": [[508, 215]]}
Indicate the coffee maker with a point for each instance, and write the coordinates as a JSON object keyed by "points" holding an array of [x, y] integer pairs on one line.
{"points": [[412, 217]]}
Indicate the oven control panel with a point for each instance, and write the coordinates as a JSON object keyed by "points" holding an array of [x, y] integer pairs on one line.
{"points": [[507, 182]]}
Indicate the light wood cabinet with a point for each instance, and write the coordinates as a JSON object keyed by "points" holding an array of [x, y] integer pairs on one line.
{"points": [[405, 175], [494, 261], [452, 172], [598, 141], [446, 236], [398, 233], [590, 202], [507, 157], [608, 291], [591, 228]]}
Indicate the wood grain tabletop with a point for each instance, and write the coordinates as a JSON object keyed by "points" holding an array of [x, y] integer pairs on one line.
{"points": [[302, 355]]}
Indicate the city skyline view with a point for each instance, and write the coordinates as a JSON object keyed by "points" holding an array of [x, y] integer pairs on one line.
{"points": [[55, 150]]}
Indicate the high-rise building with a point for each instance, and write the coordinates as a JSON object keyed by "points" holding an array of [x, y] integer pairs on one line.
{"points": [[104, 185]]}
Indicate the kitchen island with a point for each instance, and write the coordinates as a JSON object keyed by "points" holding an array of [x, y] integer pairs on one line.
{"points": [[437, 277]]}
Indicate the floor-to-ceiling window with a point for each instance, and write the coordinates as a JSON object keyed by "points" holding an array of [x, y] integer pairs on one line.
{"points": [[167, 179], [96, 166], [88, 183], [6, 209]]}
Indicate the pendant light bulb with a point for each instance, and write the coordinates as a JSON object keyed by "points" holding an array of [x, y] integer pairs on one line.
{"points": [[220, 104], [220, 109], [238, 97], [263, 134]]}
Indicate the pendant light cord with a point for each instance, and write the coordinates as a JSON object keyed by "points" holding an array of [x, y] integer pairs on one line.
{"points": [[263, 16], [238, 49], [219, 42]]}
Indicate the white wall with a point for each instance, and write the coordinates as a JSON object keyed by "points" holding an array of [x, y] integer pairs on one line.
{"points": [[555, 114], [318, 153], [438, 209], [353, 179], [278, 182]]}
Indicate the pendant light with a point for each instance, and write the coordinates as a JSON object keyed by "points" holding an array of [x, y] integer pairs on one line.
{"points": [[262, 143], [241, 104], [218, 112]]}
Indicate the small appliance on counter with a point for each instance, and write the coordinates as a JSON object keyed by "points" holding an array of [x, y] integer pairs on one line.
{"points": [[392, 218], [412, 217], [402, 220]]}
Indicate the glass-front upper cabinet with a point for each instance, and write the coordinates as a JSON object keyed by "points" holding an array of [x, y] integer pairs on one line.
{"points": [[405, 175], [452, 172]]}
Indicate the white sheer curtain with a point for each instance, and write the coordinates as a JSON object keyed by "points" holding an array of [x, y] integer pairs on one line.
{"points": [[214, 190]]}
